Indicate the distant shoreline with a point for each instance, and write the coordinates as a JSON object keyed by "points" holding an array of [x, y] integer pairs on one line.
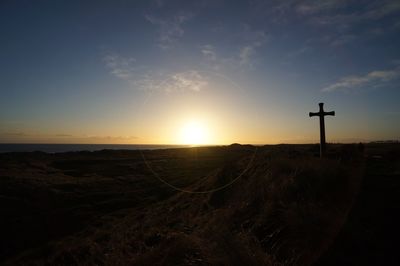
{"points": [[60, 148]]}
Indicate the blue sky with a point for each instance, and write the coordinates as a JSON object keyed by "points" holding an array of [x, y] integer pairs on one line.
{"points": [[250, 71]]}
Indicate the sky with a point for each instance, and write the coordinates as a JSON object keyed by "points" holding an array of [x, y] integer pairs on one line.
{"points": [[201, 72]]}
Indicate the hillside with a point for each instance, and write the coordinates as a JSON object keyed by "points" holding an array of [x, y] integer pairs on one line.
{"points": [[282, 205]]}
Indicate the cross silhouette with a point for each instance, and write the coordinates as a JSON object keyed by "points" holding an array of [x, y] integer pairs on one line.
{"points": [[322, 115]]}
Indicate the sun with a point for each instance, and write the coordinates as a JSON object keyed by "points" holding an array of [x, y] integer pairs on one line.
{"points": [[194, 133]]}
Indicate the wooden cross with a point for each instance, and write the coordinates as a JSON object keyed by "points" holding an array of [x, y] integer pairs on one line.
{"points": [[321, 115]]}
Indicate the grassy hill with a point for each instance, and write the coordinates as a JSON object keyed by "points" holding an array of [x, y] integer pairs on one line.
{"points": [[283, 205]]}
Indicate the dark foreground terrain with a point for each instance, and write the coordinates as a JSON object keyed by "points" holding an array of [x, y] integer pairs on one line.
{"points": [[271, 205]]}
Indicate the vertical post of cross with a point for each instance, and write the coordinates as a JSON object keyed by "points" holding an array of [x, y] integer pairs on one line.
{"points": [[322, 115]]}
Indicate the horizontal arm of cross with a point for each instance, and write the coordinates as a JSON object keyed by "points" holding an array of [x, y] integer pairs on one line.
{"points": [[322, 113], [330, 113]]}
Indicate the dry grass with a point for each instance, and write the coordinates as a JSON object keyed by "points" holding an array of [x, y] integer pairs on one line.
{"points": [[285, 210]]}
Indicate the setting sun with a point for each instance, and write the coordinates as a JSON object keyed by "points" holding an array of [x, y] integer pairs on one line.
{"points": [[194, 133]]}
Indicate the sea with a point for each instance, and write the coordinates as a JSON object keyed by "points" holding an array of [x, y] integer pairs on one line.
{"points": [[58, 148]]}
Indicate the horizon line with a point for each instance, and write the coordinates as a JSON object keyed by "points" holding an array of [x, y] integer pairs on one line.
{"points": [[201, 145]]}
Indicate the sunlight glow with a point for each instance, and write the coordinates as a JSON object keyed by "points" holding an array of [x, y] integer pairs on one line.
{"points": [[194, 133]]}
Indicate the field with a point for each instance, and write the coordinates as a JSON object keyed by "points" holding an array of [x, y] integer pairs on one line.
{"points": [[228, 205]]}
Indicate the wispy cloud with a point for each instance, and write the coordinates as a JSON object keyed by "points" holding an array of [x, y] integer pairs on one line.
{"points": [[208, 52], [312, 7], [18, 136], [64, 135], [187, 81], [170, 30], [345, 19], [343, 13], [125, 68], [382, 9], [121, 67], [341, 40], [151, 80], [211, 57], [253, 39], [373, 78], [159, 3], [108, 138], [245, 53]]}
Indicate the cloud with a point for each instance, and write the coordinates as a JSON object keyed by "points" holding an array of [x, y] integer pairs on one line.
{"points": [[183, 82], [159, 3], [124, 68], [64, 135], [245, 55], [253, 40], [252, 36], [325, 12], [152, 80], [336, 9], [208, 52], [211, 57], [312, 7], [33, 137], [345, 19], [120, 67], [18, 134], [384, 8], [275, 11], [247, 41], [189, 81], [341, 40], [374, 78], [108, 138], [170, 30]]}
